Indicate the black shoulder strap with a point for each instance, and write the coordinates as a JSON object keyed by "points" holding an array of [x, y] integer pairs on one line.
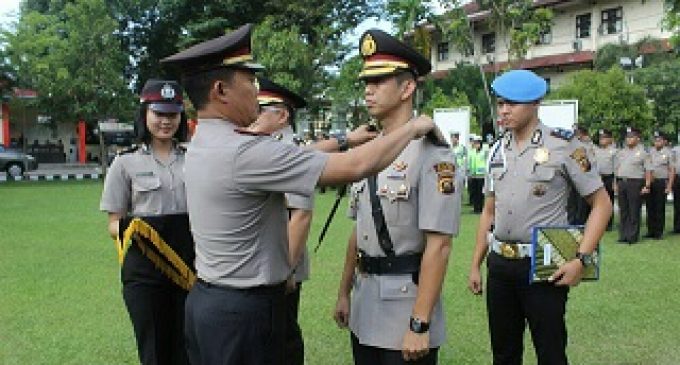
{"points": [[384, 239]]}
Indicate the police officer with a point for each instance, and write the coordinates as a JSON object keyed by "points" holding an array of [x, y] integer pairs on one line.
{"points": [[633, 181], [676, 189], [663, 175], [577, 207], [389, 294], [235, 183], [605, 156], [460, 154], [476, 172], [147, 181], [531, 169]]}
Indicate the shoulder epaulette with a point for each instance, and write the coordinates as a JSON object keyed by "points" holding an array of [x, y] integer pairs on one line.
{"points": [[436, 139], [298, 141], [248, 132], [127, 150], [562, 133]]}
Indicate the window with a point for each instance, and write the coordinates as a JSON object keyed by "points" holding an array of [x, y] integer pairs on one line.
{"points": [[489, 43], [612, 21], [583, 25], [443, 51], [545, 37]]}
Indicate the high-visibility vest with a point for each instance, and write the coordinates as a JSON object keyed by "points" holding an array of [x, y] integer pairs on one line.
{"points": [[477, 162]]}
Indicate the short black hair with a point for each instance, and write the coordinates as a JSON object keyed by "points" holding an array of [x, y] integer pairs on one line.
{"points": [[142, 133], [404, 76], [197, 85]]}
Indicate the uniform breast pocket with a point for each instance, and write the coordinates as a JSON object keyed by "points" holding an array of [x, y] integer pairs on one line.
{"points": [[147, 183], [542, 174], [396, 287], [400, 208]]}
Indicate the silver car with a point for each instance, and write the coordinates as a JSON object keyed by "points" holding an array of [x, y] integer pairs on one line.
{"points": [[15, 163]]}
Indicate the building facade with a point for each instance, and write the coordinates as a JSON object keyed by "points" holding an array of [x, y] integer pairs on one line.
{"points": [[579, 28]]}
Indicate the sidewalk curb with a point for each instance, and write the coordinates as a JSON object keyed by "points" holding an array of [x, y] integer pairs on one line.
{"points": [[50, 177]]}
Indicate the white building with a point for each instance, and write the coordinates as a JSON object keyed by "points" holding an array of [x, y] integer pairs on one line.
{"points": [[579, 28]]}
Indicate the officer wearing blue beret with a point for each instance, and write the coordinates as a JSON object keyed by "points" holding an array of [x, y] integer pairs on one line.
{"points": [[530, 173]]}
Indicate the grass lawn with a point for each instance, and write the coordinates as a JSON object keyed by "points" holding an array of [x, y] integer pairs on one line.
{"points": [[61, 301]]}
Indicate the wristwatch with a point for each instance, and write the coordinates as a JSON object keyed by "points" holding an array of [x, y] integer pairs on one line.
{"points": [[585, 258], [343, 144], [418, 326]]}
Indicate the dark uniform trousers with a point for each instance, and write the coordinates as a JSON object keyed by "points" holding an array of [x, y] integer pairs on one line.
{"points": [[676, 204], [476, 186], [369, 355], [630, 206], [231, 326], [295, 346], [512, 302], [608, 182], [156, 308], [656, 208]]}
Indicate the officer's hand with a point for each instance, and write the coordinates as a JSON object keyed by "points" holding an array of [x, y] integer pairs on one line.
{"points": [[415, 345], [360, 135], [423, 124], [644, 191], [568, 274], [341, 313], [475, 281]]}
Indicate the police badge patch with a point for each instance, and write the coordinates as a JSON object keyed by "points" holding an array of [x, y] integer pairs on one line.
{"points": [[446, 172], [581, 158]]}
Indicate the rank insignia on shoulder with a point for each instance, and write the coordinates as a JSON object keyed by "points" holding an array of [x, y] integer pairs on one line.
{"points": [[562, 133], [445, 177], [130, 149], [581, 158]]}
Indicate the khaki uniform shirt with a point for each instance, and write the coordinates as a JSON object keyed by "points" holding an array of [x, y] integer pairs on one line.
{"points": [[139, 184], [605, 159], [418, 195], [531, 185], [632, 163], [297, 201], [661, 162], [235, 186]]}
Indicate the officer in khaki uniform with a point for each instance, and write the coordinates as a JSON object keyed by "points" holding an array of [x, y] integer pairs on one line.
{"points": [[663, 174], [146, 181], [577, 207], [530, 173], [605, 157], [633, 180], [235, 183], [396, 260], [676, 189]]}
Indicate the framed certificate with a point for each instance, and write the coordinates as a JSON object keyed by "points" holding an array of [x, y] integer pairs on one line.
{"points": [[553, 246]]}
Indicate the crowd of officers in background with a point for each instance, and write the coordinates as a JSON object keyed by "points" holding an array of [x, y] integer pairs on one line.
{"points": [[635, 173]]}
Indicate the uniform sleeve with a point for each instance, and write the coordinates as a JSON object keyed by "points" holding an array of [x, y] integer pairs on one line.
{"points": [[270, 165], [116, 194], [298, 201], [438, 195], [647, 161], [492, 163], [581, 169]]}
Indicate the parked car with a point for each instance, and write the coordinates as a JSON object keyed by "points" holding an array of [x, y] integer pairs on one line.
{"points": [[15, 163]]}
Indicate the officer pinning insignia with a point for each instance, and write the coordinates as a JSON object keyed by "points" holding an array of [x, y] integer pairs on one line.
{"points": [[385, 55], [562, 133], [446, 172], [542, 155], [539, 190], [581, 157]]}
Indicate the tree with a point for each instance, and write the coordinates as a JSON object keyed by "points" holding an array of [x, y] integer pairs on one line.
{"points": [[652, 50], [73, 60], [451, 99], [347, 90], [607, 100], [672, 20], [662, 82]]}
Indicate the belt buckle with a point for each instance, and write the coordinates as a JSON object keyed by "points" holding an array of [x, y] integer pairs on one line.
{"points": [[359, 261], [509, 251]]}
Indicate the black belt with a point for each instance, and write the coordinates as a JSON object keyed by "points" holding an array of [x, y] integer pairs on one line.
{"points": [[384, 265], [607, 175], [630, 178], [279, 288]]}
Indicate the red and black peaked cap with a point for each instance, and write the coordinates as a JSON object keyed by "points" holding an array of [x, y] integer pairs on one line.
{"points": [[273, 93], [385, 55]]}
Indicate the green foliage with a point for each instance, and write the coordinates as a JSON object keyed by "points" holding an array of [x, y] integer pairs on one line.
{"points": [[607, 100], [651, 49], [347, 90], [407, 14], [661, 82], [73, 62], [440, 99], [671, 20]]}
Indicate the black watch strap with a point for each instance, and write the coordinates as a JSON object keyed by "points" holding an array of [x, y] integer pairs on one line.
{"points": [[418, 326], [343, 145]]}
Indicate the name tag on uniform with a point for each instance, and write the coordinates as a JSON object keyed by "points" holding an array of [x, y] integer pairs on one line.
{"points": [[144, 173]]}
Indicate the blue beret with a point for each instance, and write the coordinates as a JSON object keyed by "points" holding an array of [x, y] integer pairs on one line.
{"points": [[520, 86]]}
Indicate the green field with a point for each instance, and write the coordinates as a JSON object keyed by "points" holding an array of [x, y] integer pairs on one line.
{"points": [[60, 299]]}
